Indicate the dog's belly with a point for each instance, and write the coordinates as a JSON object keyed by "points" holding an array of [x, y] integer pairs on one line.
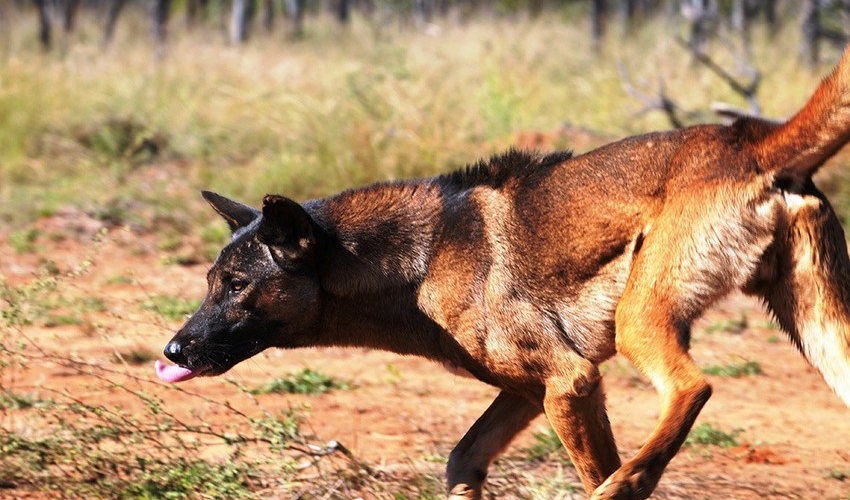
{"points": [[587, 316]]}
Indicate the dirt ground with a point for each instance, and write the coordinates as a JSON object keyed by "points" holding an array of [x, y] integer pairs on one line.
{"points": [[404, 413]]}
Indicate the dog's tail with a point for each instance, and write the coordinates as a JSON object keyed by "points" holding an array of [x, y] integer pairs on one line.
{"points": [[811, 295], [798, 147]]}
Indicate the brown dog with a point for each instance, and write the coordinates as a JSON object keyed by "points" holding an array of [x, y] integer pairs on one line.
{"points": [[528, 271]]}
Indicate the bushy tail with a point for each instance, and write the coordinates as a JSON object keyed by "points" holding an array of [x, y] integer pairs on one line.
{"points": [[803, 143], [811, 298]]}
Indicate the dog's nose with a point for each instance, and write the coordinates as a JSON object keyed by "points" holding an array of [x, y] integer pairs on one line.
{"points": [[173, 351]]}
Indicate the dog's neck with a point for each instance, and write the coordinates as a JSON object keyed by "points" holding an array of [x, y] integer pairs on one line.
{"points": [[379, 238], [391, 321]]}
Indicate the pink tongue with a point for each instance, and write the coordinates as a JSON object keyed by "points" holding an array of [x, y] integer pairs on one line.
{"points": [[172, 373]]}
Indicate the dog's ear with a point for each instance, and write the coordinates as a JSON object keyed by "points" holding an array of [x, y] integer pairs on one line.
{"points": [[288, 230], [236, 214]]}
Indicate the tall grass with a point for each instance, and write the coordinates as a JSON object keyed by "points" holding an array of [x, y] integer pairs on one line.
{"points": [[337, 109]]}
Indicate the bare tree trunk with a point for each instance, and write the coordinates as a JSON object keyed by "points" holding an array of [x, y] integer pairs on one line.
{"points": [[196, 9], [241, 20], [295, 11], [810, 49], [423, 12], [44, 29], [5, 26], [115, 7], [770, 16], [627, 14], [597, 22], [69, 15], [192, 8], [343, 11], [268, 15], [162, 9], [741, 23], [702, 15]]}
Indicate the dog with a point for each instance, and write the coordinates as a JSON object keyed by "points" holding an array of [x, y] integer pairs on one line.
{"points": [[528, 270]]}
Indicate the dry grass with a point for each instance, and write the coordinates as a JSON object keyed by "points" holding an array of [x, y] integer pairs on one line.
{"points": [[311, 117]]}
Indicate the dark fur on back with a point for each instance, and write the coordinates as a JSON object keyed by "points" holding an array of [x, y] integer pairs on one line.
{"points": [[499, 169]]}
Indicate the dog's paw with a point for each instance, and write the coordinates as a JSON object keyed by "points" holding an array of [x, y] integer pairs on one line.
{"points": [[623, 485], [464, 492]]}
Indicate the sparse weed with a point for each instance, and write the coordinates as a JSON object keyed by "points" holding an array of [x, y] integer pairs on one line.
{"points": [[23, 241], [119, 279], [92, 450], [170, 307], [267, 118], [394, 374], [735, 370], [518, 477], [136, 356], [55, 320], [735, 325], [839, 475], [23, 305], [10, 400], [708, 435], [421, 487], [306, 381], [184, 479], [546, 443], [563, 484]]}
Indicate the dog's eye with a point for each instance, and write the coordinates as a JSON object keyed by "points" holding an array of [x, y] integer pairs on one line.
{"points": [[237, 286]]}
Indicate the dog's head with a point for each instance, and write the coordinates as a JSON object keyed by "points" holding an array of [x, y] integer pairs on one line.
{"points": [[263, 290]]}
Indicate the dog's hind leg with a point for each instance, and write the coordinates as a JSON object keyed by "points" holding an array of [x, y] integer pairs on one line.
{"points": [[690, 257], [653, 341], [806, 283], [490, 434]]}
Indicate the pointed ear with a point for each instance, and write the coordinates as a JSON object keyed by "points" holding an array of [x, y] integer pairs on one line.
{"points": [[288, 229], [236, 214]]}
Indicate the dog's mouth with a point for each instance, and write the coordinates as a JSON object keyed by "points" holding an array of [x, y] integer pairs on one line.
{"points": [[175, 373], [181, 367]]}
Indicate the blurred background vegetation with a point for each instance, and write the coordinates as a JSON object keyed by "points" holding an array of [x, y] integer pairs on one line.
{"points": [[125, 109]]}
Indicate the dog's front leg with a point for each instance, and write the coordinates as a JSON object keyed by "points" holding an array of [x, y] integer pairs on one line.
{"points": [[577, 413], [467, 469]]}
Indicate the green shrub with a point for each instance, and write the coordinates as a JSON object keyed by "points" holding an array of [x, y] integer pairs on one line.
{"points": [[306, 381], [735, 370], [708, 435]]}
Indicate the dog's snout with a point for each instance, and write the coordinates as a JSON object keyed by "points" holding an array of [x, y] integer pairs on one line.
{"points": [[174, 351]]}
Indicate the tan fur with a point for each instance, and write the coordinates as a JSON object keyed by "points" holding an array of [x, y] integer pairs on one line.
{"points": [[720, 205], [528, 271]]}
